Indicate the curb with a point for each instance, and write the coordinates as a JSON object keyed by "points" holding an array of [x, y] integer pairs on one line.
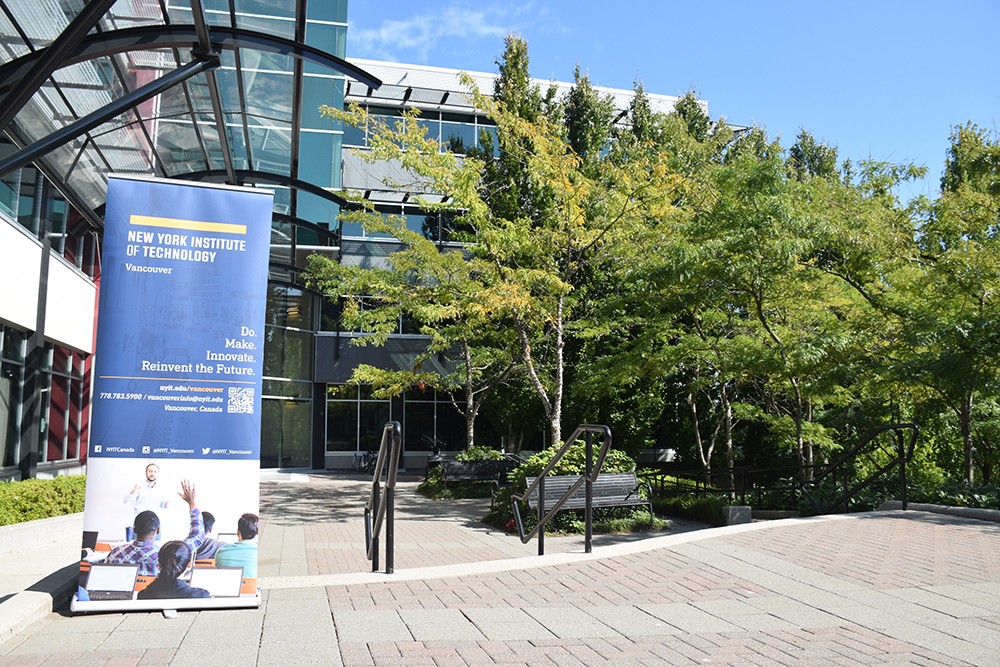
{"points": [[38, 533], [53, 590], [966, 512], [38, 601]]}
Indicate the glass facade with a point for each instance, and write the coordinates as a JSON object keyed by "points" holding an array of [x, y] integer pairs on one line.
{"points": [[355, 420], [64, 390], [66, 418], [28, 199], [11, 394], [455, 132], [286, 421]]}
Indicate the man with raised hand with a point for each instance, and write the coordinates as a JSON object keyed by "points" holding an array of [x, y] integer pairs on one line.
{"points": [[143, 550]]}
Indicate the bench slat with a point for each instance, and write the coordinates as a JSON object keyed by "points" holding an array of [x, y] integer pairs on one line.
{"points": [[609, 490]]}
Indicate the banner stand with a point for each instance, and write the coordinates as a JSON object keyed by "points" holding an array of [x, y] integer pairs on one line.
{"points": [[175, 422]]}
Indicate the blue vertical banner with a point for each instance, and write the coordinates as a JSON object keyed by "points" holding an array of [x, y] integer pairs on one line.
{"points": [[175, 426]]}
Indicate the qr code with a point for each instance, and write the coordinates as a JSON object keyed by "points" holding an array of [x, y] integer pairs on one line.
{"points": [[240, 400]]}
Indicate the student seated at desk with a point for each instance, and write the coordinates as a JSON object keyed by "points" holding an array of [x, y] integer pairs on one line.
{"points": [[175, 557], [242, 553]]}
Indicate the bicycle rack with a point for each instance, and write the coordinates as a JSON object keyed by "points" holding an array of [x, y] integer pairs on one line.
{"points": [[593, 469], [383, 506]]}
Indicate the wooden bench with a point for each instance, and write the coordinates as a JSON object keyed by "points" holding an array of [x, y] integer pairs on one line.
{"points": [[610, 490]]}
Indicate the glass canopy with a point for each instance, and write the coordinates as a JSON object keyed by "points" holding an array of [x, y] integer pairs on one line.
{"points": [[222, 90]]}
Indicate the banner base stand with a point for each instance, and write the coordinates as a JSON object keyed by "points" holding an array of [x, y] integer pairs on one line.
{"points": [[166, 606]]}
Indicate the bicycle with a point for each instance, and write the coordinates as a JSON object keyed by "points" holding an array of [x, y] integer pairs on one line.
{"points": [[365, 461]]}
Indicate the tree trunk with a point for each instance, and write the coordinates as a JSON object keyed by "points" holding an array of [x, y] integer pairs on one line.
{"points": [[965, 417], [809, 444], [555, 419], [471, 410], [805, 473], [727, 417], [706, 459], [551, 407]]}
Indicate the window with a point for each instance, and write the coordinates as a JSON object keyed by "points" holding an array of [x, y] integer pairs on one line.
{"points": [[355, 420], [65, 406], [11, 393]]}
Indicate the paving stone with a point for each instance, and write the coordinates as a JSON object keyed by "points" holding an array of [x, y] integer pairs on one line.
{"points": [[439, 624], [570, 622], [370, 626], [886, 589], [688, 618], [631, 621], [507, 623]]}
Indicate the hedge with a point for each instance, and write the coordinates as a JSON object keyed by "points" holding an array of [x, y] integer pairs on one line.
{"points": [[32, 499]]}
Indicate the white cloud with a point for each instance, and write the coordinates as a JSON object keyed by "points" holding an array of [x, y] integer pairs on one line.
{"points": [[415, 38]]}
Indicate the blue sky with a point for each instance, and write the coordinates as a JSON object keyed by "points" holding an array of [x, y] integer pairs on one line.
{"points": [[879, 79]]}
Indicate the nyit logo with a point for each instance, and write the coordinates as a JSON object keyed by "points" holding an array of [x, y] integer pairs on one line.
{"points": [[205, 450]]}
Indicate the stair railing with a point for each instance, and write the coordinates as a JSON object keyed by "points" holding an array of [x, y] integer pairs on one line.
{"points": [[380, 506], [593, 469]]}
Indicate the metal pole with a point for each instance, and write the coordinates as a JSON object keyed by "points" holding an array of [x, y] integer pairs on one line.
{"points": [[378, 499], [390, 494], [541, 515], [902, 466], [588, 512]]}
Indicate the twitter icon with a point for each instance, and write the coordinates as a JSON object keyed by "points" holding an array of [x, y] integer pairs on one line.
{"points": [[205, 450]]}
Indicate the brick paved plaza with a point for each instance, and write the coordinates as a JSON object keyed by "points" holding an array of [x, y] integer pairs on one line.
{"points": [[889, 588]]}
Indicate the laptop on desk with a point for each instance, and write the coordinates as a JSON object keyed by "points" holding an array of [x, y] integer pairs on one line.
{"points": [[111, 582], [220, 582], [227, 538]]}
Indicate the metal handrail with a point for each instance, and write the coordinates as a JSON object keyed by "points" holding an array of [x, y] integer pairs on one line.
{"points": [[903, 455], [383, 506], [591, 473], [738, 488]]}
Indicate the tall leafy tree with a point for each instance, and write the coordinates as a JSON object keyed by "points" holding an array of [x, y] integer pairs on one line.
{"points": [[589, 119], [542, 221], [810, 158], [951, 296], [441, 292], [444, 291]]}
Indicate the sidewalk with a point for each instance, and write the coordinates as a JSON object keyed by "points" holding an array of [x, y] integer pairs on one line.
{"points": [[886, 588]]}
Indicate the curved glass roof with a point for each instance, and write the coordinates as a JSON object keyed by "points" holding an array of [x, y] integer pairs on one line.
{"points": [[170, 88]]}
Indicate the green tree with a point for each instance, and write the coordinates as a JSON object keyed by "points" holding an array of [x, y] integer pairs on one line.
{"points": [[438, 289], [589, 119], [445, 291], [692, 114], [810, 158], [505, 185], [537, 252], [950, 298]]}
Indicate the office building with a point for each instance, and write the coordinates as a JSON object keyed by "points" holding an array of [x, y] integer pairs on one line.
{"points": [[193, 90]]}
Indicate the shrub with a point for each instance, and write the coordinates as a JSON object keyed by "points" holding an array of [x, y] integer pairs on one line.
{"points": [[433, 486], [32, 499], [706, 508], [480, 453], [983, 496]]}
